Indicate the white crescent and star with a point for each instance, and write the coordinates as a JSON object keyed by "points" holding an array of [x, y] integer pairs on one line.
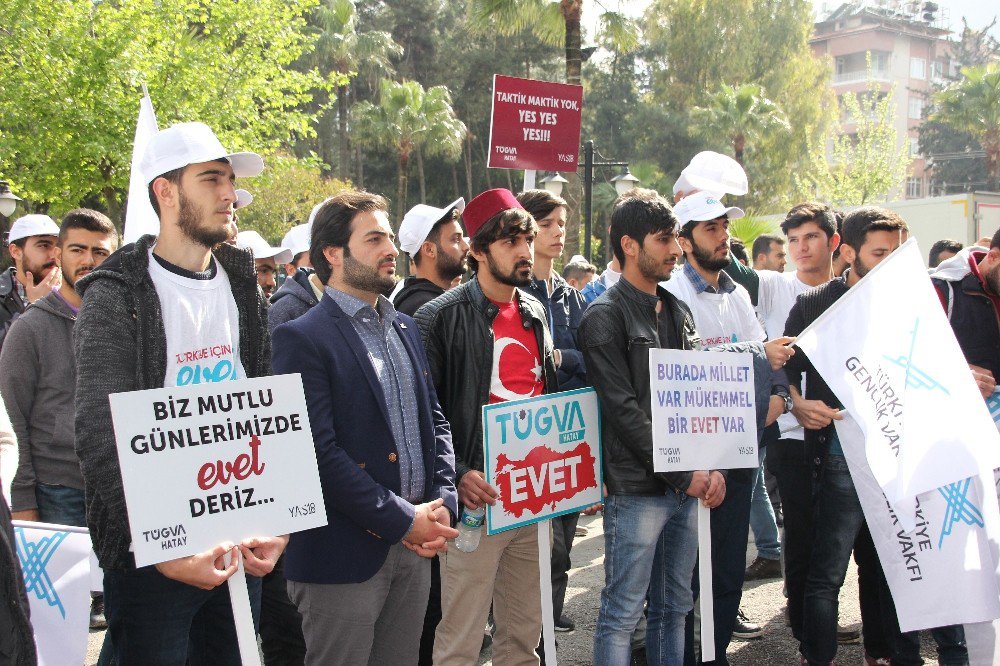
{"points": [[497, 387]]}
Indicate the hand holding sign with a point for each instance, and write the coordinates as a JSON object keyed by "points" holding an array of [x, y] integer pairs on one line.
{"points": [[205, 570], [778, 352], [260, 554], [474, 492]]}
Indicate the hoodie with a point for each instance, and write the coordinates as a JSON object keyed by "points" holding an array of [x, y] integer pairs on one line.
{"points": [[294, 298], [38, 383], [415, 292]]}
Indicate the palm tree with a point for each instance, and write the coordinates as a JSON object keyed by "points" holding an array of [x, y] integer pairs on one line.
{"points": [[741, 114], [408, 118], [973, 105], [342, 49], [554, 23]]}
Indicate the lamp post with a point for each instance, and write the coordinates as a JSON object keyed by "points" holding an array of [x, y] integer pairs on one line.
{"points": [[623, 183], [8, 201]]}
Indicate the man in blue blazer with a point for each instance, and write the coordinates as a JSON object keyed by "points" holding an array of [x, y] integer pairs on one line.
{"points": [[382, 443]]}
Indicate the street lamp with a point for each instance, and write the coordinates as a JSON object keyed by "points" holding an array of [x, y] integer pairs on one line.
{"points": [[625, 182], [8, 201], [553, 184]]}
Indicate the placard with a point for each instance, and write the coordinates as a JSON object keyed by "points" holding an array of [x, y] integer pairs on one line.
{"points": [[535, 124], [209, 463], [704, 412], [544, 457]]}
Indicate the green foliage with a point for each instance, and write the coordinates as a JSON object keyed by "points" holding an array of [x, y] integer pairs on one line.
{"points": [[865, 164], [741, 114], [285, 194], [407, 118], [973, 105], [72, 73], [747, 229]]}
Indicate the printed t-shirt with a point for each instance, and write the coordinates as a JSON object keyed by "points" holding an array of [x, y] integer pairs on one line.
{"points": [[517, 366]]}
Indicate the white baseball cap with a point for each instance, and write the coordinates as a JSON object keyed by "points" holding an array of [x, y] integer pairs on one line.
{"points": [[243, 199], [32, 225], [253, 241], [714, 173], [419, 221], [298, 239], [702, 206], [191, 143]]}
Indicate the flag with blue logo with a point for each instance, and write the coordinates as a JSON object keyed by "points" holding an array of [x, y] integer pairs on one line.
{"points": [[55, 562], [888, 352]]}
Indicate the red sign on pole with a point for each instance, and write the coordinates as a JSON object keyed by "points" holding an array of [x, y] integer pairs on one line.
{"points": [[535, 124]]}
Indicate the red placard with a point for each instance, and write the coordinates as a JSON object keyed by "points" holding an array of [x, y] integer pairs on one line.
{"points": [[535, 124]]}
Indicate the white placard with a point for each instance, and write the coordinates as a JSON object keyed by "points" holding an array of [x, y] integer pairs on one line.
{"points": [[544, 457], [704, 412], [209, 463]]}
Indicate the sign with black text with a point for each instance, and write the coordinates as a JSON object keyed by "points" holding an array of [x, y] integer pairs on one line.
{"points": [[208, 463]]}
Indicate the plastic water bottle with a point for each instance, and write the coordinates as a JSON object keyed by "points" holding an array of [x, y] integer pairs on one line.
{"points": [[470, 529]]}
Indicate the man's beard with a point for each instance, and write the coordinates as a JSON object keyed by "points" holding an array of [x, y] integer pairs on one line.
{"points": [[512, 279], [189, 222], [38, 273], [706, 260], [652, 269], [448, 267], [80, 272], [859, 268], [365, 278]]}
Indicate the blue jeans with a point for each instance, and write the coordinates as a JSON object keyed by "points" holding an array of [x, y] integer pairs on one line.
{"points": [[156, 621], [730, 528], [650, 543], [762, 520], [837, 520], [61, 505]]}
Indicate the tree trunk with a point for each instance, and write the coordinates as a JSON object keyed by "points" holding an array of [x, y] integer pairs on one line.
{"points": [[991, 146], [739, 145], [420, 173], [454, 180], [486, 161], [361, 169], [468, 166], [343, 140], [400, 203], [572, 11]]}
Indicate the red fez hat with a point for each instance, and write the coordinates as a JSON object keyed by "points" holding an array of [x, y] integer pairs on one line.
{"points": [[485, 206]]}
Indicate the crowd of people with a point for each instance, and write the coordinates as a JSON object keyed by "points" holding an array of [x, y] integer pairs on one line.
{"points": [[396, 374]]}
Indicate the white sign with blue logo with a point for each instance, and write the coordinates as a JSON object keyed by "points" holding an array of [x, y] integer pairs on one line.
{"points": [[55, 563], [543, 455], [704, 412]]}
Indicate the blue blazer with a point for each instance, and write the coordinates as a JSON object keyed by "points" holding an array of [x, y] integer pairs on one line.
{"points": [[355, 448]]}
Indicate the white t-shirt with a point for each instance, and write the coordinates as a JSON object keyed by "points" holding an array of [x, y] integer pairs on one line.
{"points": [[776, 295], [718, 318], [202, 326]]}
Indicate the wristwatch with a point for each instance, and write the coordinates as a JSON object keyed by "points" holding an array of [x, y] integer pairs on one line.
{"points": [[788, 402]]}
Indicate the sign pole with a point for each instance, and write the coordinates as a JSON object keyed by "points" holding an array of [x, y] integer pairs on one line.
{"points": [[239, 598], [529, 179], [545, 585], [706, 601]]}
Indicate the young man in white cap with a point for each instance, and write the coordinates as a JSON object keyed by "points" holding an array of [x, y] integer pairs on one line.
{"points": [[434, 240], [265, 259], [723, 316], [146, 306], [301, 289], [32, 246]]}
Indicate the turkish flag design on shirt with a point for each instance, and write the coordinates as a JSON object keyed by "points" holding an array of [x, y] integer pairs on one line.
{"points": [[517, 366]]}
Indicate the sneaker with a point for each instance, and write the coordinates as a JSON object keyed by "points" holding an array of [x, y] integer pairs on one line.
{"points": [[582, 531], [564, 624], [872, 661], [763, 569], [97, 619], [745, 629], [848, 636]]}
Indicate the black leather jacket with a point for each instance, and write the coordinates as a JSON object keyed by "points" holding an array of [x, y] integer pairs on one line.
{"points": [[457, 329], [616, 334]]}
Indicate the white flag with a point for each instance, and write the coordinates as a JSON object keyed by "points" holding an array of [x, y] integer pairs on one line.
{"points": [[55, 561], [943, 571], [887, 351], [139, 216]]}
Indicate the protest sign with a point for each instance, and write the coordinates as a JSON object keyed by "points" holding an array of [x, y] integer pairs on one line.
{"points": [[544, 457], [208, 463], [704, 413], [535, 124], [946, 556], [899, 371], [55, 564]]}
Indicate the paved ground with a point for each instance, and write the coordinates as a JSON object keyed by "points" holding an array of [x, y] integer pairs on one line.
{"points": [[762, 602]]}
